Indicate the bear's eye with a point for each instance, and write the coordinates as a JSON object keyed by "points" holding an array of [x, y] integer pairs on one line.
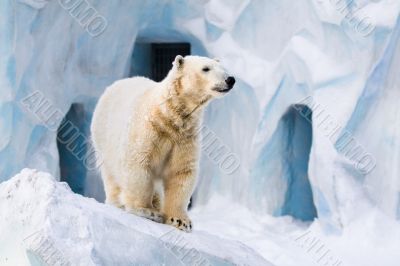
{"points": [[206, 69]]}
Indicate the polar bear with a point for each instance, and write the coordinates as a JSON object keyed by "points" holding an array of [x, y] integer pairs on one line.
{"points": [[146, 134]]}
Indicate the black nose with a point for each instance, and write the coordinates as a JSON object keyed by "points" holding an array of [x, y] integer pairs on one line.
{"points": [[230, 81]]}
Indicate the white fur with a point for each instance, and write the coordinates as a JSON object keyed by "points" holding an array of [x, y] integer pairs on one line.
{"points": [[123, 136]]}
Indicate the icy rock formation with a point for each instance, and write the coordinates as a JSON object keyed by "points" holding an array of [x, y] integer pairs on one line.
{"points": [[43, 221], [336, 58]]}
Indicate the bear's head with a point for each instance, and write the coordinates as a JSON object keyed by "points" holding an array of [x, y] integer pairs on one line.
{"points": [[201, 77]]}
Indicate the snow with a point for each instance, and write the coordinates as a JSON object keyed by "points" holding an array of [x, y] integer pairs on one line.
{"points": [[371, 239], [45, 219]]}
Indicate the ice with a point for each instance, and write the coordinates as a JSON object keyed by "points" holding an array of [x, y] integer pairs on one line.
{"points": [[54, 224], [44, 222], [339, 58]]}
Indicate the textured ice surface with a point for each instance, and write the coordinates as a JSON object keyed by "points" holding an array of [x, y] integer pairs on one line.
{"points": [[42, 220], [344, 54]]}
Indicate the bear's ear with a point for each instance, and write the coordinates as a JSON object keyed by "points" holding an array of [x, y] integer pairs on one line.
{"points": [[178, 62]]}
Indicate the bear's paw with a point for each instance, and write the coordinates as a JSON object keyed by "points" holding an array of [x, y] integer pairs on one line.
{"points": [[147, 213], [183, 224]]}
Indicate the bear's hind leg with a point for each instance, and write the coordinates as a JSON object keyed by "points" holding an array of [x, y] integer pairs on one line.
{"points": [[111, 189], [137, 195]]}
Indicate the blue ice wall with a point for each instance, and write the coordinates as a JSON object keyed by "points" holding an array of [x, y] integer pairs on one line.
{"points": [[331, 58]]}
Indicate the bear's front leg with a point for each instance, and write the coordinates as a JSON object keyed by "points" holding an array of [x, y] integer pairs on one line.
{"points": [[178, 186], [137, 194]]}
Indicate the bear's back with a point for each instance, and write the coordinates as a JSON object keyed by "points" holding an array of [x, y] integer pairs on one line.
{"points": [[113, 114]]}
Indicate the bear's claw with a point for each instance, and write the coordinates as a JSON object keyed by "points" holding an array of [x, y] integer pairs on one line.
{"points": [[182, 224]]}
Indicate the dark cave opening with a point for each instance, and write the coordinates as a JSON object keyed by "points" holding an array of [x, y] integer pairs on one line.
{"points": [[297, 125]]}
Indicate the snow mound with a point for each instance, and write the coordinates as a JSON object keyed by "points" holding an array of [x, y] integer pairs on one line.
{"points": [[44, 223]]}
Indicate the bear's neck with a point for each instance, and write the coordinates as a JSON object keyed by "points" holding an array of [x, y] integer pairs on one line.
{"points": [[181, 112], [185, 109]]}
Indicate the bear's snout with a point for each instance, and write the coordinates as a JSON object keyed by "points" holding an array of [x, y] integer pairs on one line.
{"points": [[230, 81]]}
